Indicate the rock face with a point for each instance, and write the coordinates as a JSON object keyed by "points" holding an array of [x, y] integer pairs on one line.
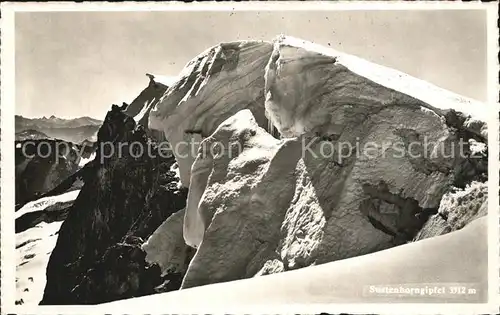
{"points": [[122, 272], [360, 168], [126, 196], [212, 87], [41, 165]]}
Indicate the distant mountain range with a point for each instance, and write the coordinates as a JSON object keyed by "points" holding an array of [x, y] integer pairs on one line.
{"points": [[74, 130], [55, 122]]}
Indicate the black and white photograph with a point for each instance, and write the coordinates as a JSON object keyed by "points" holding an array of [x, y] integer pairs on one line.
{"points": [[282, 157]]}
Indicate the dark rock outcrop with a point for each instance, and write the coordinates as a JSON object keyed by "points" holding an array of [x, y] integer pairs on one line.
{"points": [[48, 167], [392, 214], [121, 272], [126, 196], [56, 212], [41, 165], [125, 272]]}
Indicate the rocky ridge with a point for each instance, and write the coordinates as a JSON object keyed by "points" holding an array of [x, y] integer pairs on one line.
{"points": [[122, 202]]}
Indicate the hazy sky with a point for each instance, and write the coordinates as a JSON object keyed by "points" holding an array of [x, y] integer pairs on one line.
{"points": [[79, 63]]}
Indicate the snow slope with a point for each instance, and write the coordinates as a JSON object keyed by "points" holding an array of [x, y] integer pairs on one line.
{"points": [[310, 87], [458, 257], [43, 203], [33, 249], [437, 97]]}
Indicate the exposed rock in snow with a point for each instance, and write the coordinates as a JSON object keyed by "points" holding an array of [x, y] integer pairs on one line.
{"points": [[212, 87], [457, 257], [457, 209], [55, 212], [124, 200], [45, 202], [69, 185], [121, 272]]}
